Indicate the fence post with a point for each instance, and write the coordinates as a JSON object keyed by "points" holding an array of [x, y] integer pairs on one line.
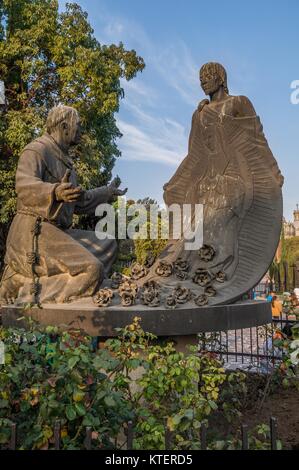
{"points": [[13, 437], [273, 433], [130, 436], [167, 436], [88, 438], [244, 432], [203, 437], [57, 434]]}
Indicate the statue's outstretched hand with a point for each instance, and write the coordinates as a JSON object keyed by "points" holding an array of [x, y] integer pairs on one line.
{"points": [[65, 191], [114, 188]]}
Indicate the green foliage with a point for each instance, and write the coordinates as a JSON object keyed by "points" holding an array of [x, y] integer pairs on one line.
{"points": [[50, 375], [152, 245], [46, 58], [258, 439], [176, 389], [289, 255]]}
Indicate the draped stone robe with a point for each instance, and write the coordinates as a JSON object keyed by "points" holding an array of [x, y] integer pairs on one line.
{"points": [[232, 172], [70, 263]]}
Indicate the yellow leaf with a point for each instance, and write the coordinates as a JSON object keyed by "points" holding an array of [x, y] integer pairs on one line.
{"points": [[78, 396]]}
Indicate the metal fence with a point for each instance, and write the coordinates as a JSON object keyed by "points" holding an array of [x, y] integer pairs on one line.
{"points": [[251, 349], [129, 444]]}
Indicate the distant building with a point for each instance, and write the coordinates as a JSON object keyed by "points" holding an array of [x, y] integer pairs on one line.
{"points": [[291, 229]]}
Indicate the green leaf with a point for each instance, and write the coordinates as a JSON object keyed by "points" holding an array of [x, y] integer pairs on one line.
{"points": [[70, 412], [109, 401], [80, 409], [73, 361]]}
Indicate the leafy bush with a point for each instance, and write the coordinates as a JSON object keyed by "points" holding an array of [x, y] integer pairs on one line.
{"points": [[50, 375]]}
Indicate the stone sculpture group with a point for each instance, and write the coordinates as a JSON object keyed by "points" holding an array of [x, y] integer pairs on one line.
{"points": [[229, 169]]}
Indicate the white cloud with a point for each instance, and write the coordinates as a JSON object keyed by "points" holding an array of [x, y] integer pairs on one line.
{"points": [[137, 92], [160, 140], [150, 130], [114, 29], [176, 65]]}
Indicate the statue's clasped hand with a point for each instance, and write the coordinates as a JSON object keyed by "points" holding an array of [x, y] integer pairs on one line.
{"points": [[66, 192]]}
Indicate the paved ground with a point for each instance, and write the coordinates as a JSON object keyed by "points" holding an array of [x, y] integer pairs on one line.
{"points": [[245, 348]]}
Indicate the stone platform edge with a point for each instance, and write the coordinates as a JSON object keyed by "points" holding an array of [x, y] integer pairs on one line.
{"points": [[177, 322]]}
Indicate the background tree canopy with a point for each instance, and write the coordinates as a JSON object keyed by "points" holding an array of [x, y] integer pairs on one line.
{"points": [[47, 58]]}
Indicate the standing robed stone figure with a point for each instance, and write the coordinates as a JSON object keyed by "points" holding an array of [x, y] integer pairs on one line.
{"points": [[231, 171], [46, 260]]}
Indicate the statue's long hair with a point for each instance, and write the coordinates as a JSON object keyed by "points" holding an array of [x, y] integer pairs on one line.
{"points": [[214, 68]]}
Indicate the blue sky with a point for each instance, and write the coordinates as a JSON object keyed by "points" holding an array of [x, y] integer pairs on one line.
{"points": [[256, 41]]}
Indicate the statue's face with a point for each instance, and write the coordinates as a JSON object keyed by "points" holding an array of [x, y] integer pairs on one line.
{"points": [[72, 131], [77, 132], [210, 82]]}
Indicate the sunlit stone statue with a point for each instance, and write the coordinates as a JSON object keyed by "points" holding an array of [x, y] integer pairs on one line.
{"points": [[46, 260], [231, 171]]}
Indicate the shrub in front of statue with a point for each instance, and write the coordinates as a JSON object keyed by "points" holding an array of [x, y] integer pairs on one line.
{"points": [[176, 390], [49, 375]]}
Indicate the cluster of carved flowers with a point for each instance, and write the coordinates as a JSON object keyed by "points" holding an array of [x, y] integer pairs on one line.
{"points": [[164, 269], [103, 297], [206, 253], [138, 271], [128, 293], [150, 294]]}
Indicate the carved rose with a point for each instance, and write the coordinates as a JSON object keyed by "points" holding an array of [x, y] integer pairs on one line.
{"points": [[210, 291], [103, 297], [127, 299], [150, 294], [202, 277], [164, 269], [181, 268], [150, 259], [150, 298], [182, 275], [116, 280], [171, 302], [138, 271], [220, 277], [206, 253], [201, 300], [128, 293], [153, 285], [182, 294]]}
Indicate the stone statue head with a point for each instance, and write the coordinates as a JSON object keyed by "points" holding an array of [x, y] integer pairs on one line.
{"points": [[63, 123], [212, 76]]}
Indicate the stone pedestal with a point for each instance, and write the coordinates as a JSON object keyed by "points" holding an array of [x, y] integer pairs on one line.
{"points": [[183, 322]]}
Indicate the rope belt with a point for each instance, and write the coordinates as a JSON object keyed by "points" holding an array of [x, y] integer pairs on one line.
{"points": [[33, 258], [33, 261]]}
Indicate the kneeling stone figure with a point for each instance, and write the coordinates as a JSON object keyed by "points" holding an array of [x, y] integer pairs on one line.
{"points": [[46, 260]]}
